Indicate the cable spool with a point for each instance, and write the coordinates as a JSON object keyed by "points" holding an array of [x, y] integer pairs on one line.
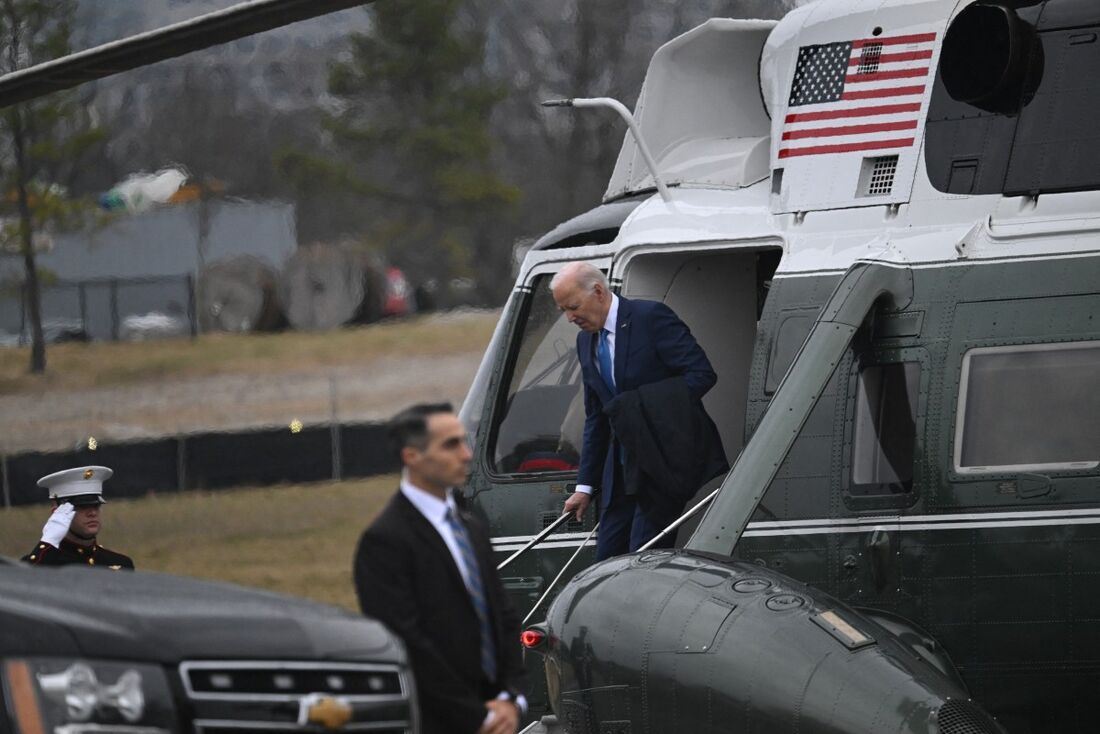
{"points": [[238, 295], [322, 287]]}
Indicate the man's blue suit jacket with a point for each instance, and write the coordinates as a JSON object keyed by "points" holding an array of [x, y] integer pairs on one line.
{"points": [[651, 344]]}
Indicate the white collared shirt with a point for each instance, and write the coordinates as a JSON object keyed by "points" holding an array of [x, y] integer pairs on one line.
{"points": [[611, 323], [434, 511]]}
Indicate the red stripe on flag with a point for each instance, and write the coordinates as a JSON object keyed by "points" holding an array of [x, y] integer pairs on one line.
{"points": [[886, 109], [892, 58], [896, 40], [846, 147], [830, 132], [885, 92], [881, 76]]}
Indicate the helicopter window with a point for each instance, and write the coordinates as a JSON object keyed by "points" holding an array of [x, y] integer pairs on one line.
{"points": [[1029, 407], [538, 428], [885, 428]]}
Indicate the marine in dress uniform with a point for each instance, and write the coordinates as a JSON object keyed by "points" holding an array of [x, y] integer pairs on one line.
{"points": [[70, 536]]}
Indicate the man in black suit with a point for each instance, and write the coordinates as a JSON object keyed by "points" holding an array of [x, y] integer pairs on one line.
{"points": [[424, 568]]}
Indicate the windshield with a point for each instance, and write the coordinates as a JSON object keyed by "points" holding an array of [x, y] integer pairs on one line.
{"points": [[474, 404], [538, 428]]}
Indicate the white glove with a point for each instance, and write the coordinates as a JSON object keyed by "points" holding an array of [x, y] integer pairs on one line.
{"points": [[58, 524]]}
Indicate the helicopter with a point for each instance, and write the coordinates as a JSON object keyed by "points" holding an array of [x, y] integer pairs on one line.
{"points": [[878, 218]]}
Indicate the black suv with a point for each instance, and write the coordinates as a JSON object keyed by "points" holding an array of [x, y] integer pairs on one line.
{"points": [[90, 652]]}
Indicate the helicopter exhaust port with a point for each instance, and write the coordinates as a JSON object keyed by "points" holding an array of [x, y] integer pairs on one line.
{"points": [[987, 54]]}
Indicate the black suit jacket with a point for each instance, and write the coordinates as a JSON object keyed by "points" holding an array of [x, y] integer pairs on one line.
{"points": [[407, 579], [670, 444]]}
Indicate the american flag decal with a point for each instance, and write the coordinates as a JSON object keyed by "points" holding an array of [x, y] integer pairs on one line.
{"points": [[857, 95]]}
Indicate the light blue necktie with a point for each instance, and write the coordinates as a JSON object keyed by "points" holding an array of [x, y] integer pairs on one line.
{"points": [[607, 372], [477, 594], [603, 353]]}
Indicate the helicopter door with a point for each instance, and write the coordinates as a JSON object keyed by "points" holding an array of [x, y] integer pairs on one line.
{"points": [[528, 443]]}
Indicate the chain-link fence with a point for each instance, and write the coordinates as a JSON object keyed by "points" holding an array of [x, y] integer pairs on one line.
{"points": [[103, 310], [288, 408]]}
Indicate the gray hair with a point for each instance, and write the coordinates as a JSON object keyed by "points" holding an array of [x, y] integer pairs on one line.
{"points": [[586, 275]]}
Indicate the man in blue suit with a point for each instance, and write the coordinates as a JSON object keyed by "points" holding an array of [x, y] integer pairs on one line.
{"points": [[625, 345]]}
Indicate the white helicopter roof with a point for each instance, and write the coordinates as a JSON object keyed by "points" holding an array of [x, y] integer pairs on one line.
{"points": [[700, 111], [847, 85]]}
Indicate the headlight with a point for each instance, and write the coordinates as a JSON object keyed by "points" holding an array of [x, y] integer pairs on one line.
{"points": [[61, 696]]}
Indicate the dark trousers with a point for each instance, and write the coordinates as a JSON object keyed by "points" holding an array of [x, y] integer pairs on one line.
{"points": [[625, 526]]}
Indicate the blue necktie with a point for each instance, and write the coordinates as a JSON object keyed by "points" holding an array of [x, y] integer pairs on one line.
{"points": [[607, 370], [477, 595]]}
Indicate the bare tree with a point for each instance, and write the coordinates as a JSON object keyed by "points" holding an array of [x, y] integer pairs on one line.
{"points": [[45, 139], [579, 48]]}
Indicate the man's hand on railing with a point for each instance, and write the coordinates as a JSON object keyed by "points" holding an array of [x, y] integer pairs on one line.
{"points": [[578, 504]]}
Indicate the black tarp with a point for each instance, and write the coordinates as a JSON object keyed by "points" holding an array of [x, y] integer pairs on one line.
{"points": [[213, 461]]}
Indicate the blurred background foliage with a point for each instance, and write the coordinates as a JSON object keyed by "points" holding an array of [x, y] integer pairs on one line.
{"points": [[415, 127]]}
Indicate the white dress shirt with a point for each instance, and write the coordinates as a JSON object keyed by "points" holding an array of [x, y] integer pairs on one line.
{"points": [[434, 511], [611, 323]]}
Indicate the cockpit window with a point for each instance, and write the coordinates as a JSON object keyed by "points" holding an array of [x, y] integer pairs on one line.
{"points": [[1029, 407], [885, 430], [539, 425]]}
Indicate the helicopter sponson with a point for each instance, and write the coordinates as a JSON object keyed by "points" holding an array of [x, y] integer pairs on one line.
{"points": [[733, 646]]}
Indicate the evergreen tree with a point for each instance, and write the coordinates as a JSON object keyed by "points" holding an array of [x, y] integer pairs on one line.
{"points": [[411, 133]]}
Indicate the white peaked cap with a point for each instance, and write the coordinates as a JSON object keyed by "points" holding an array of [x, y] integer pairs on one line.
{"points": [[84, 480]]}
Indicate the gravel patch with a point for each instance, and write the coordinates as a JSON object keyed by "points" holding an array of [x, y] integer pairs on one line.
{"points": [[63, 420]]}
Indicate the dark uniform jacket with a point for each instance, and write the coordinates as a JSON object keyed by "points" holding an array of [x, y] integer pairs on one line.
{"points": [[407, 579], [70, 553]]}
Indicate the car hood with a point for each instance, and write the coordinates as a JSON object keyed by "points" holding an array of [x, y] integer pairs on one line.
{"points": [[157, 617]]}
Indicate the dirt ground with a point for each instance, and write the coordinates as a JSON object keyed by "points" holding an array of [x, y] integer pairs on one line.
{"points": [[296, 539], [368, 389]]}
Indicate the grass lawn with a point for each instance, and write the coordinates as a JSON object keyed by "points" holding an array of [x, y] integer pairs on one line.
{"points": [[292, 539], [75, 365]]}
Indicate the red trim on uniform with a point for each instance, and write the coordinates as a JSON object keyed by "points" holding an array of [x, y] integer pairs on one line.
{"points": [[846, 147], [40, 552]]}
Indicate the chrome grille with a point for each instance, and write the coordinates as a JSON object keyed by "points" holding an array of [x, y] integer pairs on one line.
{"points": [[253, 696]]}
